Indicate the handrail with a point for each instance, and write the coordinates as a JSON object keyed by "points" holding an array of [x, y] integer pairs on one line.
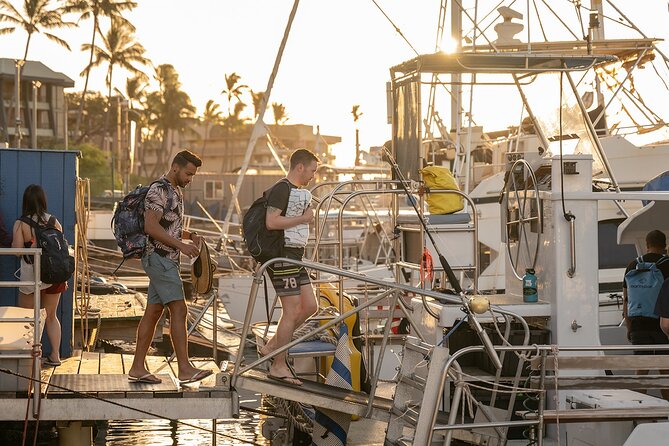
{"points": [[257, 280], [318, 228], [424, 431], [36, 352]]}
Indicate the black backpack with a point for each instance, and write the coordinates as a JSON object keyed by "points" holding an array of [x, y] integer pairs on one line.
{"points": [[263, 244], [127, 223], [56, 263]]}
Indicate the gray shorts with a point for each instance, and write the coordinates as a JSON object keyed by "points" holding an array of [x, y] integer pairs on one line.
{"points": [[165, 283]]}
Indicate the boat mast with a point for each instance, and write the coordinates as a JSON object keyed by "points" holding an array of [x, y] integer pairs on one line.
{"points": [[456, 89], [259, 125]]}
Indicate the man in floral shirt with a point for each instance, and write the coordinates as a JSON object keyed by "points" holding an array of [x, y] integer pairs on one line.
{"points": [[163, 215]]}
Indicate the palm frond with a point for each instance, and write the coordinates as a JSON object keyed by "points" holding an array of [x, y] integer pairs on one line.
{"points": [[58, 40]]}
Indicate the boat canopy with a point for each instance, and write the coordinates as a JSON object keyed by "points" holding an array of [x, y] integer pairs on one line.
{"points": [[498, 63], [620, 48]]}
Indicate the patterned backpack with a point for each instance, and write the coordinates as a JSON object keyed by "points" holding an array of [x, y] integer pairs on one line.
{"points": [[128, 220]]}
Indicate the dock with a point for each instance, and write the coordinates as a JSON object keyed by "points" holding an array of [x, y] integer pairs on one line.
{"points": [[95, 386]]}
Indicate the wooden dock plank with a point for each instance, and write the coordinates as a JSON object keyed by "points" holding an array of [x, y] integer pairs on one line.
{"points": [[45, 377], [69, 365], [158, 364], [126, 361], [207, 364], [90, 363], [111, 364]]}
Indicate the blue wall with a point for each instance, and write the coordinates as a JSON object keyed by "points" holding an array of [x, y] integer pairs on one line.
{"points": [[56, 171]]}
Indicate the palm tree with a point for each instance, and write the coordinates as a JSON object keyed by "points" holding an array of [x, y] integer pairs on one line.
{"points": [[37, 17], [279, 111], [232, 90], [119, 49], [257, 99], [356, 115], [170, 110], [135, 92], [96, 9], [212, 116]]}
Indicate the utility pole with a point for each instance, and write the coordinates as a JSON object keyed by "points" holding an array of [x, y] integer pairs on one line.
{"points": [[17, 103], [33, 129]]}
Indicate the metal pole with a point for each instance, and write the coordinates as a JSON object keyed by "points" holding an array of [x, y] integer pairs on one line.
{"points": [[17, 102], [117, 141], [37, 362], [33, 130], [214, 314], [259, 124], [65, 126]]}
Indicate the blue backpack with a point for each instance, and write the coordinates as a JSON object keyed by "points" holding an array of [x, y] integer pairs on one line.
{"points": [[643, 287]]}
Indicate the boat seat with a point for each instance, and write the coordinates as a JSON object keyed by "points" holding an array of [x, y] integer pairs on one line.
{"points": [[312, 348], [436, 219]]}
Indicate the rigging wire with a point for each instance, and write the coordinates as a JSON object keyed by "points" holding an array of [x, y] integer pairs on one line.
{"points": [[577, 4], [541, 24], [125, 406], [567, 215], [560, 20], [397, 29], [492, 10]]}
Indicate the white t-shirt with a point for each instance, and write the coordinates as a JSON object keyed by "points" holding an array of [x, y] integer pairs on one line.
{"points": [[299, 201]]}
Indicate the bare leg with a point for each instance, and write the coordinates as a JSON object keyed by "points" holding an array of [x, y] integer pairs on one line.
{"points": [[26, 300], [145, 331], [296, 310], [52, 324], [178, 333]]}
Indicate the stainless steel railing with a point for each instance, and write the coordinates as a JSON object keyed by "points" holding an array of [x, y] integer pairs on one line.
{"points": [[36, 351]]}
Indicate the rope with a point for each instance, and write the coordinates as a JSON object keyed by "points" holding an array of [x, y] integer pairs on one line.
{"points": [[36, 354], [293, 410], [125, 406], [309, 326], [82, 270], [426, 267]]}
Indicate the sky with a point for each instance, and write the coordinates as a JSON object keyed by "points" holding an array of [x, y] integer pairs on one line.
{"points": [[338, 53]]}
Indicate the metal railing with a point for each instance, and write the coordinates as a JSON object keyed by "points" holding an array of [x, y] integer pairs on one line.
{"points": [[36, 351], [391, 287]]}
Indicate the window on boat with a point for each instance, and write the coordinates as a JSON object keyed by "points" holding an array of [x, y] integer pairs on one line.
{"points": [[611, 254]]}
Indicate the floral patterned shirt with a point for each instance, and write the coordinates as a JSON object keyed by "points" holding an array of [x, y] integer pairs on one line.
{"points": [[160, 196]]}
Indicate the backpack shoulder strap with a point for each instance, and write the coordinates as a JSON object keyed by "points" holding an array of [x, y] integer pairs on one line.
{"points": [[170, 192], [661, 260], [29, 221], [51, 222]]}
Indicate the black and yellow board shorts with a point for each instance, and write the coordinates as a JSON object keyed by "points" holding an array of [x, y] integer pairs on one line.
{"points": [[288, 278]]}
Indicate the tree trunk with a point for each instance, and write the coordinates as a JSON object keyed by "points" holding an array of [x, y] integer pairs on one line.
{"points": [[82, 102], [206, 138], [25, 54]]}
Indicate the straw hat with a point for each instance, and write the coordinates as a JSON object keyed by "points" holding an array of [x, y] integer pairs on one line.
{"points": [[202, 271]]}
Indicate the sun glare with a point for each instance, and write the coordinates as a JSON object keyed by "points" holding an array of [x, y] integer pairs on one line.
{"points": [[449, 45]]}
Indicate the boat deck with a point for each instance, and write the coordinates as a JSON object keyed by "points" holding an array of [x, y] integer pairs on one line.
{"points": [[95, 386]]}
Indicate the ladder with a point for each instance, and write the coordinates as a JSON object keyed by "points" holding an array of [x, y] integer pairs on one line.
{"points": [[422, 368]]}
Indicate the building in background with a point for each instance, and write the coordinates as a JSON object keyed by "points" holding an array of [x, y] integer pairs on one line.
{"points": [[50, 103]]}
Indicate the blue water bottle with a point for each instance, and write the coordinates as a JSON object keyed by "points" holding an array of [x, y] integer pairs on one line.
{"points": [[530, 286]]}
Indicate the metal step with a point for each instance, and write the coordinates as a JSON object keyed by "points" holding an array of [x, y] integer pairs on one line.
{"points": [[317, 394]]}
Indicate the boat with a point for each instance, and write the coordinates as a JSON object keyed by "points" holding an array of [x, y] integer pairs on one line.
{"points": [[462, 380]]}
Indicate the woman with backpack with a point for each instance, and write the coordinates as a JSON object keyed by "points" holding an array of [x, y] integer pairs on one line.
{"points": [[35, 209]]}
